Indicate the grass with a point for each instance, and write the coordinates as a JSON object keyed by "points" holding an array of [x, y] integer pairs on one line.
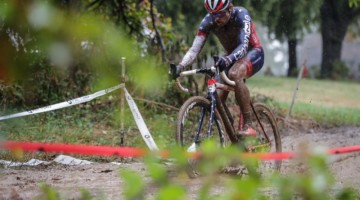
{"points": [[98, 122], [93, 123], [327, 102]]}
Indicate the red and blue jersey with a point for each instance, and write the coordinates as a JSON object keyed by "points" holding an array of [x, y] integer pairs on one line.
{"points": [[237, 36]]}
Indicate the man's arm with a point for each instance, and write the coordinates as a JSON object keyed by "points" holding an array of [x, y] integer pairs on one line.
{"points": [[199, 41], [195, 49], [244, 37]]}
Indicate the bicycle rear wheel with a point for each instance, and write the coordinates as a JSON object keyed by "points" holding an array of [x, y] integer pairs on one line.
{"points": [[268, 137], [192, 128]]}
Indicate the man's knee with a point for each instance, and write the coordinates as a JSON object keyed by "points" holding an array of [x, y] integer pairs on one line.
{"points": [[239, 72]]}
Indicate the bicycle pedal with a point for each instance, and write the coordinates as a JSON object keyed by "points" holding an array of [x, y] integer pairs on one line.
{"points": [[250, 149], [251, 144]]}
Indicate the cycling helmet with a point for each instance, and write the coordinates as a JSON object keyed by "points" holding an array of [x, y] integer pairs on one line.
{"points": [[214, 6]]}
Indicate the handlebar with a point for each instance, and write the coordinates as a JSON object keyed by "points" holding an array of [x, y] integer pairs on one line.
{"points": [[210, 71], [226, 79]]}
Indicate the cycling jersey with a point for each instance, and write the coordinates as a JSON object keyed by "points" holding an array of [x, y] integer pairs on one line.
{"points": [[238, 36]]}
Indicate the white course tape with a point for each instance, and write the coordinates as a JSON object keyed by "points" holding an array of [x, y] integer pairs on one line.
{"points": [[64, 104], [140, 122], [134, 109], [61, 159]]}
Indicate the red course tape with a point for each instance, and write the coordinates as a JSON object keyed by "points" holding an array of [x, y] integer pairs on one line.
{"points": [[137, 152], [73, 149]]}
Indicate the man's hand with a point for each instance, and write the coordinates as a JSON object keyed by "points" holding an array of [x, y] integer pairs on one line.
{"points": [[223, 63], [179, 69]]}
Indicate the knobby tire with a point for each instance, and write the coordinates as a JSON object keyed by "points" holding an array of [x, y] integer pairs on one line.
{"points": [[269, 125], [187, 124]]}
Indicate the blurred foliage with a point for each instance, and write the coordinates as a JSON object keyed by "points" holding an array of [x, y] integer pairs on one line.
{"points": [[49, 193], [186, 18], [140, 20], [354, 3], [53, 55], [340, 71], [11, 95], [312, 181], [310, 178]]}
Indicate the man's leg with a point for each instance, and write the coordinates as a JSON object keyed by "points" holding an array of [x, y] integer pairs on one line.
{"points": [[242, 69], [238, 72]]}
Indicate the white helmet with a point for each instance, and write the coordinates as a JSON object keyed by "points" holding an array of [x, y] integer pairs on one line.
{"points": [[214, 6]]}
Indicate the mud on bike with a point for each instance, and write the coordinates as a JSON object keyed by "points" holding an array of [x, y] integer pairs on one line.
{"points": [[204, 117]]}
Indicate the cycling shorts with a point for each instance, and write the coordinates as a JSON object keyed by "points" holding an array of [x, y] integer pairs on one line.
{"points": [[254, 61]]}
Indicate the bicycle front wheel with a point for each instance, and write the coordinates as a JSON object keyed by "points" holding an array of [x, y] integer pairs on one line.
{"points": [[194, 126]]}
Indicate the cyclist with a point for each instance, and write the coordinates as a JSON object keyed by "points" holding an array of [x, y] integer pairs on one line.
{"points": [[244, 55]]}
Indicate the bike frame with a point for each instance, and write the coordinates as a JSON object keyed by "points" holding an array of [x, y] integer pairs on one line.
{"points": [[216, 102], [213, 97]]}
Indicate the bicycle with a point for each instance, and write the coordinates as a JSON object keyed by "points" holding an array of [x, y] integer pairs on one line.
{"points": [[197, 115]]}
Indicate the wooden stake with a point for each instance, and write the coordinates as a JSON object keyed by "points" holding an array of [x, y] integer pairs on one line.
{"points": [[296, 88], [122, 103]]}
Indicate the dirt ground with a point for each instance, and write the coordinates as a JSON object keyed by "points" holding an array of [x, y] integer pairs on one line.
{"points": [[103, 182]]}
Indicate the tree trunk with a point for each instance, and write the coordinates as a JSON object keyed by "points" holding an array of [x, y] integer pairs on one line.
{"points": [[335, 19], [292, 58], [157, 32]]}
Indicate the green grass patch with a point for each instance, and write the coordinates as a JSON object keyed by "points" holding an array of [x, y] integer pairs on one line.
{"points": [[93, 123], [327, 102], [337, 116]]}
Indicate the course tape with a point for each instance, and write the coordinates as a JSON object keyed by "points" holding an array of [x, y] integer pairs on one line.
{"points": [[134, 110], [140, 122], [73, 149], [64, 104], [137, 152]]}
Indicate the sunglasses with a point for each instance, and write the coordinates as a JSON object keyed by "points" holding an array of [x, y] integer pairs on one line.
{"points": [[220, 14]]}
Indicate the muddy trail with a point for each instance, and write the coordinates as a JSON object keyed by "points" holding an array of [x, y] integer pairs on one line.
{"points": [[102, 180]]}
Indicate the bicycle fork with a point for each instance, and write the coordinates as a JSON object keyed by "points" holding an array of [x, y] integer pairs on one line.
{"points": [[212, 97]]}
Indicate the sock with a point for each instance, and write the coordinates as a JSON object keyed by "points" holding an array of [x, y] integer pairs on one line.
{"points": [[247, 120]]}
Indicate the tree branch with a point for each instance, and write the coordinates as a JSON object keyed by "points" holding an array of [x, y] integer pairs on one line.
{"points": [[157, 103], [99, 2], [135, 26], [158, 36], [121, 9]]}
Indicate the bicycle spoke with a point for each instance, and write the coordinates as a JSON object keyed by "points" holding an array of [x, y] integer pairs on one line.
{"points": [[194, 126]]}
